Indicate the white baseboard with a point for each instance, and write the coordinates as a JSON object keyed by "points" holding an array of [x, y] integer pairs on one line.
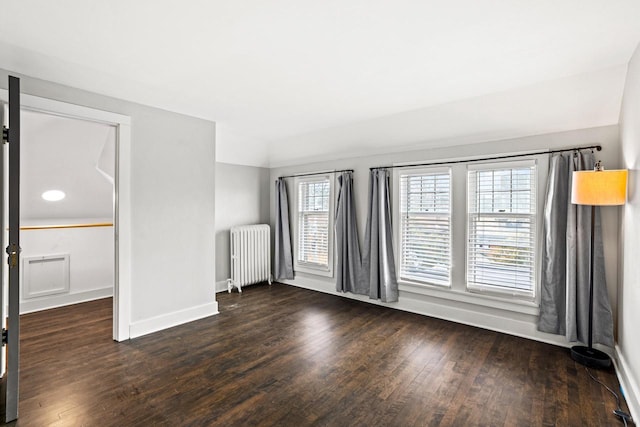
{"points": [[630, 386], [221, 286], [60, 300], [165, 321]]}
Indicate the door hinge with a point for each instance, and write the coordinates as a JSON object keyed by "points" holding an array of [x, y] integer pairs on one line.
{"points": [[13, 250], [5, 336], [5, 134]]}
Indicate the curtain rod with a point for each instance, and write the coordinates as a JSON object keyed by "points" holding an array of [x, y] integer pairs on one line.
{"points": [[511, 156], [316, 173]]}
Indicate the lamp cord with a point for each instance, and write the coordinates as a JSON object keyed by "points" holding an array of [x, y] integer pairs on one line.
{"points": [[618, 412]]}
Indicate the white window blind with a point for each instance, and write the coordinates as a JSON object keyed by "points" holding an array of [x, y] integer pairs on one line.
{"points": [[313, 225], [425, 227], [501, 236]]}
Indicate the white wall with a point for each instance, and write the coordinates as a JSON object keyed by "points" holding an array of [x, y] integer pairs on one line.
{"points": [[242, 197], [91, 261], [629, 294], [495, 314], [172, 205], [63, 153]]}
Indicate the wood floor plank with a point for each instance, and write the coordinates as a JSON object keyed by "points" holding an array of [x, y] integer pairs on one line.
{"points": [[284, 356]]}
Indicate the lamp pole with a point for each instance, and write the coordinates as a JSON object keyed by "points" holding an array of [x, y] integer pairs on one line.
{"points": [[591, 273]]}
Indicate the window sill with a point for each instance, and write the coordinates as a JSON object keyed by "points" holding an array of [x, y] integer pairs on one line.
{"points": [[502, 303], [313, 270]]}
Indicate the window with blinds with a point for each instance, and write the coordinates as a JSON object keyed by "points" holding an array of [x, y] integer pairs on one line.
{"points": [[502, 220], [425, 227], [313, 222]]}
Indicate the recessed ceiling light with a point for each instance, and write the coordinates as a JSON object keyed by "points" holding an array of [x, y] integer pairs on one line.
{"points": [[53, 195]]}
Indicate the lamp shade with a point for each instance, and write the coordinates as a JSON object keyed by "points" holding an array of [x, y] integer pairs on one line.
{"points": [[599, 188]]}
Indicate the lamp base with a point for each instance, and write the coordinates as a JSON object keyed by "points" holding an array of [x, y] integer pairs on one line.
{"points": [[590, 357]]}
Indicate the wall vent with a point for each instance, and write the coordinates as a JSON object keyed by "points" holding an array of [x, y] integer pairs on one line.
{"points": [[45, 275]]}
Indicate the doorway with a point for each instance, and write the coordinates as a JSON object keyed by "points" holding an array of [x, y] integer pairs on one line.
{"points": [[67, 211], [121, 194]]}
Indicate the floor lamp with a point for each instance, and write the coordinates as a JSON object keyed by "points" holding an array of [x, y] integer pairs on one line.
{"points": [[596, 188]]}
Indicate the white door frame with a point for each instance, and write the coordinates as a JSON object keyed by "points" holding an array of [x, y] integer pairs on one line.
{"points": [[122, 211]]}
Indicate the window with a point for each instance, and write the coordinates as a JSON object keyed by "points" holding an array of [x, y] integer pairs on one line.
{"points": [[425, 227], [501, 228], [314, 223]]}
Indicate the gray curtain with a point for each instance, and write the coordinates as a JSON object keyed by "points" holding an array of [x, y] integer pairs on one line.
{"points": [[283, 254], [564, 304], [349, 262], [378, 261]]}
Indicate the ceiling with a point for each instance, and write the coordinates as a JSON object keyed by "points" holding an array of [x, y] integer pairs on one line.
{"points": [[74, 156], [292, 80]]}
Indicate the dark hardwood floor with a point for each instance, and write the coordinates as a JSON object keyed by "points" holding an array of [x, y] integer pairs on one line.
{"points": [[285, 356]]}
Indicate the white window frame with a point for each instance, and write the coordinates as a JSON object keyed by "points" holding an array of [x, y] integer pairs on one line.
{"points": [[458, 291], [312, 268], [495, 290], [398, 225]]}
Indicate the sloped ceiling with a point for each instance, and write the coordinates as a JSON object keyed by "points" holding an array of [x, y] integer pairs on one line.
{"points": [[291, 80], [59, 153]]}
